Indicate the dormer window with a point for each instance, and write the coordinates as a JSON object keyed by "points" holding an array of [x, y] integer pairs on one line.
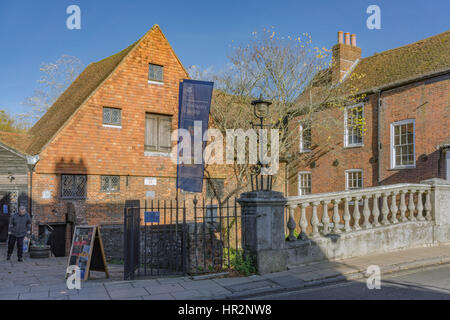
{"points": [[155, 73]]}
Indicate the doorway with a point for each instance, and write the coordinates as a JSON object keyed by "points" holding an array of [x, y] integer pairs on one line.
{"points": [[4, 215], [57, 239]]}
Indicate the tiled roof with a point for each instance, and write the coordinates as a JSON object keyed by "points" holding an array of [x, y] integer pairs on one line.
{"points": [[17, 141], [63, 108], [408, 62], [66, 105]]}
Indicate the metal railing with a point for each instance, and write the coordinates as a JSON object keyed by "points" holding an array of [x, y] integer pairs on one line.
{"points": [[172, 237]]}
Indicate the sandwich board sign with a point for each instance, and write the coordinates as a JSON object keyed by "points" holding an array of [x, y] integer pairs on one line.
{"points": [[87, 251]]}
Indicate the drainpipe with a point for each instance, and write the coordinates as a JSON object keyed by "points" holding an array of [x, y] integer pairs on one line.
{"points": [[285, 179]]}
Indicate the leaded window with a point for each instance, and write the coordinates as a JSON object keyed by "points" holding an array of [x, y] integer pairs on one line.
{"points": [[112, 116], [73, 186], [110, 184], [155, 72]]}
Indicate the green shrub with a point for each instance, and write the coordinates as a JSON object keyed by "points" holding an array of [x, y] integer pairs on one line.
{"points": [[244, 264]]}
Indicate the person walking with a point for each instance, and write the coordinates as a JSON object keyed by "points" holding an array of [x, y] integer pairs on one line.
{"points": [[19, 227]]}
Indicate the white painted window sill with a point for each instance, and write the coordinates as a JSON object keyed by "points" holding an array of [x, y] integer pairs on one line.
{"points": [[402, 168], [156, 82], [112, 126], [354, 146], [156, 154]]}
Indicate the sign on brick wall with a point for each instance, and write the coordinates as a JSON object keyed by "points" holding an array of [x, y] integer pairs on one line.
{"points": [[150, 181]]}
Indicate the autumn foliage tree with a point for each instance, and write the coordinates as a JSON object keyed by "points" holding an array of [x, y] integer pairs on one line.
{"points": [[8, 123]]}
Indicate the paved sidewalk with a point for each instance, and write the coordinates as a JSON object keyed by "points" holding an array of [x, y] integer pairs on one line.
{"points": [[44, 279]]}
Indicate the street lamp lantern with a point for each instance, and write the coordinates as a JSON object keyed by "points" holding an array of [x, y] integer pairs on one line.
{"points": [[261, 108], [259, 180]]}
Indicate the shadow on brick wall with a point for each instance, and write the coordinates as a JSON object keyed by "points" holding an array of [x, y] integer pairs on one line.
{"points": [[428, 166]]}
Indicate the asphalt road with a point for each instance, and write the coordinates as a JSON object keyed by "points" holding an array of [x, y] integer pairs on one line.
{"points": [[424, 284]]}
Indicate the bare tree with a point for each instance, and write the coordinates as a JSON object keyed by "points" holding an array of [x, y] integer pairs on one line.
{"points": [[56, 78], [295, 76]]}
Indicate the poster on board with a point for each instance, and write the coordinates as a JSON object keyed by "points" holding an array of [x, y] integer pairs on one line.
{"points": [[87, 251]]}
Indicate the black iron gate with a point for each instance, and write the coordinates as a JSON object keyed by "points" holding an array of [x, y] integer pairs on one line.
{"points": [[172, 237]]}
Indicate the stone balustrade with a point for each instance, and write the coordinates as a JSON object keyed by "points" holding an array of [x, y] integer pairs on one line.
{"points": [[349, 211], [339, 225]]}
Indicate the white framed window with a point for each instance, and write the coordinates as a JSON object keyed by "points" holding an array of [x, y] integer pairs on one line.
{"points": [[304, 183], [305, 136], [353, 179], [353, 122], [403, 144]]}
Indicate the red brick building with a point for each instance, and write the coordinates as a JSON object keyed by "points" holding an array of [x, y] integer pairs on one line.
{"points": [[107, 138], [406, 115]]}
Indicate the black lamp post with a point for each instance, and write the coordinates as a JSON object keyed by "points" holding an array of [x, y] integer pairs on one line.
{"points": [[259, 181], [31, 163]]}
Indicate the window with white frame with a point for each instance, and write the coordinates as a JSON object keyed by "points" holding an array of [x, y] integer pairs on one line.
{"points": [[354, 116], [305, 136], [304, 183], [353, 179], [402, 144]]}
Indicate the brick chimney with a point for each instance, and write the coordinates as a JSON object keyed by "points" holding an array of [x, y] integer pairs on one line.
{"points": [[345, 55]]}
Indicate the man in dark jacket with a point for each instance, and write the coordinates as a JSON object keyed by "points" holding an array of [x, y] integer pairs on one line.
{"points": [[19, 226]]}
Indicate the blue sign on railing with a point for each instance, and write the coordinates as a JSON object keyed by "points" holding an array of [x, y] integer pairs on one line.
{"points": [[151, 216]]}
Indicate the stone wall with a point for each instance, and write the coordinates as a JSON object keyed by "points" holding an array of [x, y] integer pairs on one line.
{"points": [[112, 236], [163, 244]]}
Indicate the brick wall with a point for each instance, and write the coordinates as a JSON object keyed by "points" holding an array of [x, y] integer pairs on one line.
{"points": [[427, 102]]}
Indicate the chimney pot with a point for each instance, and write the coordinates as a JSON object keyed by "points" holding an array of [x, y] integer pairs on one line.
{"points": [[340, 37], [353, 40], [344, 56], [347, 38]]}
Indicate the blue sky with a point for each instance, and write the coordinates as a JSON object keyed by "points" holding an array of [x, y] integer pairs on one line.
{"points": [[200, 31]]}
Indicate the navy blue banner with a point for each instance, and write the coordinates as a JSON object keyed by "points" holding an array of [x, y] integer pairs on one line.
{"points": [[193, 115]]}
